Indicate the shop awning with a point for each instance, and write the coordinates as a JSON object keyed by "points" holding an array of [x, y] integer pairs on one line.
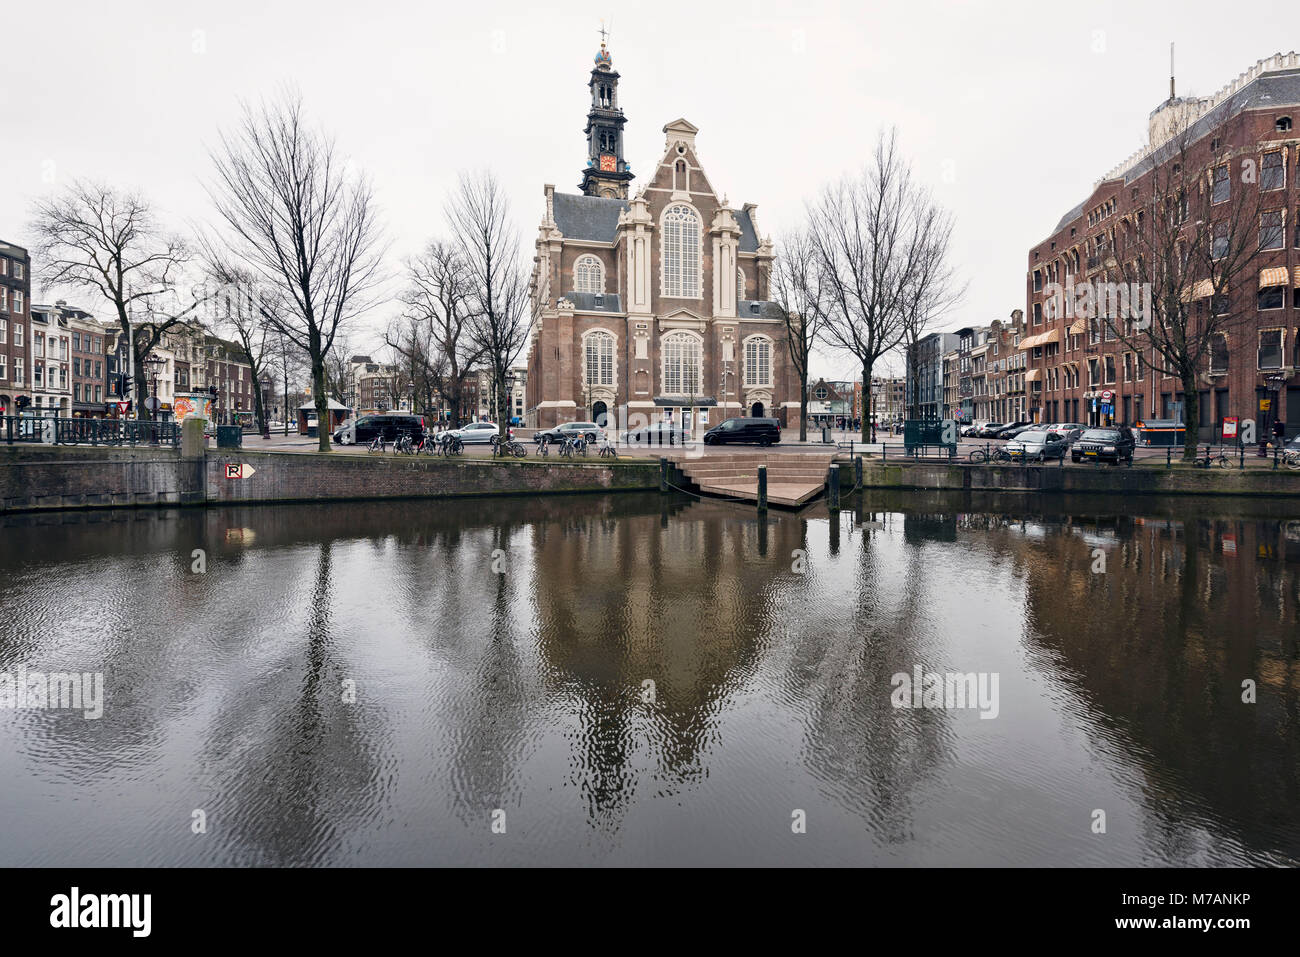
{"points": [[1297, 277], [1275, 276], [1033, 375], [1079, 327]]}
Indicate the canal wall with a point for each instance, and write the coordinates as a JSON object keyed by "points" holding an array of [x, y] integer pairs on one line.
{"points": [[43, 478], [1141, 480]]}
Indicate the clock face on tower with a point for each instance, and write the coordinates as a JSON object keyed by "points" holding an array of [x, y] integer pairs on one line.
{"points": [[608, 163]]}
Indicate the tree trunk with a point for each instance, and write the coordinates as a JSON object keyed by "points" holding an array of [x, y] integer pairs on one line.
{"points": [[1191, 416], [322, 404], [262, 425], [803, 403], [866, 400]]}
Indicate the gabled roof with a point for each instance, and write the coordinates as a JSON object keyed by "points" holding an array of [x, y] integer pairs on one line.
{"points": [[593, 218]]}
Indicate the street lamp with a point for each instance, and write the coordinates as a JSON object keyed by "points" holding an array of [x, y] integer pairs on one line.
{"points": [[154, 366]]}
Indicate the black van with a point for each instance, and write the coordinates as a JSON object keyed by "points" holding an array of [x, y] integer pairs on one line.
{"points": [[762, 431], [388, 424]]}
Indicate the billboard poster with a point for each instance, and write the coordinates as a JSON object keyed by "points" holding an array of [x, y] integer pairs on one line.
{"points": [[192, 404]]}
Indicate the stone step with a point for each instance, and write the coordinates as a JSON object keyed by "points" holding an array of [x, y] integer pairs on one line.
{"points": [[789, 494]]}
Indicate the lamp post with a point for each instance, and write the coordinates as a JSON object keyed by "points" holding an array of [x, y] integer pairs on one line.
{"points": [[153, 365]]}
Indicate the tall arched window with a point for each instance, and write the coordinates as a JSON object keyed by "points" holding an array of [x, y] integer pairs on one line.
{"points": [[599, 347], [740, 284], [588, 275], [682, 364], [681, 253], [758, 362]]}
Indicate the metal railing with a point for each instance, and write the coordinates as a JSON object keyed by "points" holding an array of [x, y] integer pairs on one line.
{"points": [[51, 431]]}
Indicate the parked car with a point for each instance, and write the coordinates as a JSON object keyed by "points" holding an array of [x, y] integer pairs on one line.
{"points": [[1105, 445], [989, 429], [476, 433], [588, 430], [1037, 445], [762, 431], [1011, 429], [1070, 431], [969, 429], [388, 424], [656, 433]]}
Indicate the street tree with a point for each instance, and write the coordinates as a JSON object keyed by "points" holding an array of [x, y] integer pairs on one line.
{"points": [[487, 241], [796, 289], [433, 334], [302, 224], [97, 238], [872, 244], [1176, 275]]}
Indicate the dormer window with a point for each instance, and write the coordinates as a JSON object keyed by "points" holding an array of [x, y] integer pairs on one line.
{"points": [[1283, 124]]}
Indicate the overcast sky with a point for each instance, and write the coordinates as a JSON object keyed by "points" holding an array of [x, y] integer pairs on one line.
{"points": [[1010, 111]]}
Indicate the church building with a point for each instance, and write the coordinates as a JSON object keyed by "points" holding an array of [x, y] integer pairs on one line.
{"points": [[654, 305]]}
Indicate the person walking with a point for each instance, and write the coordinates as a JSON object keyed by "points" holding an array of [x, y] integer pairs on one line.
{"points": [[1279, 433]]}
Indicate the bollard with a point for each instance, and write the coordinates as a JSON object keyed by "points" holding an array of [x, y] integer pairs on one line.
{"points": [[833, 489], [857, 472], [1169, 461], [762, 488], [663, 475]]}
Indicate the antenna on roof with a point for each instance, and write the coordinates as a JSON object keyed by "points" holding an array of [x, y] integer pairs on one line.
{"points": [[1171, 72]]}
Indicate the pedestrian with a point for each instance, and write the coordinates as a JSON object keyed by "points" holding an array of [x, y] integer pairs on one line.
{"points": [[1279, 433]]}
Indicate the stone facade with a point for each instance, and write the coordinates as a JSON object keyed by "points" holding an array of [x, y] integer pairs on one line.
{"points": [[654, 306]]}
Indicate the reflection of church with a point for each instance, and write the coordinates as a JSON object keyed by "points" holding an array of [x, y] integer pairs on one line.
{"points": [[655, 305]]}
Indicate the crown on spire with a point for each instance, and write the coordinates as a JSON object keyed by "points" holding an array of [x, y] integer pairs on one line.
{"points": [[603, 58]]}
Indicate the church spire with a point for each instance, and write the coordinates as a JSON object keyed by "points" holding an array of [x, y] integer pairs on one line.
{"points": [[606, 173]]}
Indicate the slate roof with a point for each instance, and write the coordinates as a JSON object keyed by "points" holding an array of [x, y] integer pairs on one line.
{"points": [[766, 310], [593, 218], [748, 237], [586, 302]]}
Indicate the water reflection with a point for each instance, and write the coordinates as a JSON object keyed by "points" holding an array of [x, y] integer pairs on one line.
{"points": [[647, 679]]}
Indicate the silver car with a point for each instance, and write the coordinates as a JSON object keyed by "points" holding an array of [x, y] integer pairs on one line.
{"points": [[1034, 445], [475, 433]]}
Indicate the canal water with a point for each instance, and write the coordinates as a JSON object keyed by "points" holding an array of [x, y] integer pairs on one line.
{"points": [[638, 679]]}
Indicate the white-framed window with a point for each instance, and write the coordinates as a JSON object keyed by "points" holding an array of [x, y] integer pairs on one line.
{"points": [[588, 275], [18, 370], [680, 259], [4, 366], [682, 364], [18, 333], [4, 330], [18, 270], [598, 348], [18, 303], [758, 362], [4, 299]]}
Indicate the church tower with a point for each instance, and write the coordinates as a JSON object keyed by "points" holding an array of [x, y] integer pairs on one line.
{"points": [[607, 173]]}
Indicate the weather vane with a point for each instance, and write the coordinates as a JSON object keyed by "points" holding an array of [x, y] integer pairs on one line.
{"points": [[604, 34]]}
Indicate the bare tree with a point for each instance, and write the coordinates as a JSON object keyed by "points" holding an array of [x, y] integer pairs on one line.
{"points": [[94, 237], [487, 241], [237, 304], [872, 247], [1179, 270], [796, 289], [299, 222], [288, 364], [433, 336]]}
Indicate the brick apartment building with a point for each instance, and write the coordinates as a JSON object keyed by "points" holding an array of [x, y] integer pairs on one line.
{"points": [[655, 304], [89, 381], [15, 298], [1075, 365]]}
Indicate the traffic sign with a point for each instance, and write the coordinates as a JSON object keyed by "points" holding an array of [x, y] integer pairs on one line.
{"points": [[152, 403], [237, 471], [1107, 395]]}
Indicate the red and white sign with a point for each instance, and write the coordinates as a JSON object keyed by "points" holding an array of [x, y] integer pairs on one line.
{"points": [[1230, 426], [123, 406], [1107, 395], [237, 471]]}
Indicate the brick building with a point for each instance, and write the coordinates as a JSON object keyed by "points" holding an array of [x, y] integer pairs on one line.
{"points": [[653, 306], [89, 379], [1076, 364], [15, 298]]}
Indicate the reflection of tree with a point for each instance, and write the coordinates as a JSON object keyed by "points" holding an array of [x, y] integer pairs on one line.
{"points": [[1158, 647]]}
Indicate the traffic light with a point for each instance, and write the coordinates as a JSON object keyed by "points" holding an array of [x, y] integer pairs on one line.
{"points": [[22, 402]]}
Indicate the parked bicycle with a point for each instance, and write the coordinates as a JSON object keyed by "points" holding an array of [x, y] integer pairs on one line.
{"points": [[1291, 458], [509, 447], [607, 451], [427, 445], [405, 445], [1221, 460], [377, 444], [573, 445], [980, 456], [544, 446], [452, 445]]}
